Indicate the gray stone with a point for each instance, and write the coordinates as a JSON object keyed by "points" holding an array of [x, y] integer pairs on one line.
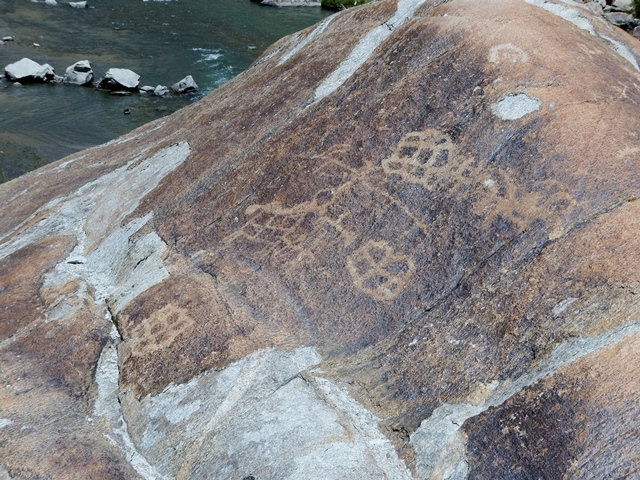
{"points": [[26, 70], [147, 89], [119, 79], [620, 19], [186, 85], [595, 7], [51, 3], [161, 90], [8, 38], [78, 4], [291, 3], [624, 5], [80, 73]]}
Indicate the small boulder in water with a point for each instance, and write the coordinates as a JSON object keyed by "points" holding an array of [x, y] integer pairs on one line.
{"points": [[119, 79], [78, 4], [80, 73], [26, 70], [51, 3], [161, 90], [186, 85]]}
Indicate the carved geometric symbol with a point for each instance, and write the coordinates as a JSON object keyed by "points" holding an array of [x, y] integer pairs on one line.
{"points": [[161, 329], [379, 271], [418, 154]]}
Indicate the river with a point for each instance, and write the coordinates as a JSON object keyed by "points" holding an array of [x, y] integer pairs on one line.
{"points": [[212, 40]]}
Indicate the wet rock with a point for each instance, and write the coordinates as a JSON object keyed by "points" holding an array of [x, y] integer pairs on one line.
{"points": [[80, 73], [51, 3], [147, 89], [186, 85], [78, 4], [119, 79], [8, 38], [26, 70]]}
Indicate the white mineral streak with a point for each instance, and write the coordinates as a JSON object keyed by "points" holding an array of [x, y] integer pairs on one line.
{"points": [[108, 406], [623, 51], [110, 263], [108, 258], [514, 106], [569, 14], [573, 15], [365, 47], [5, 422], [4, 475], [438, 441], [265, 415], [305, 41]]}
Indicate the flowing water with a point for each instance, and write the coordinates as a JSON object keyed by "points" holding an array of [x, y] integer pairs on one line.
{"points": [[212, 40]]}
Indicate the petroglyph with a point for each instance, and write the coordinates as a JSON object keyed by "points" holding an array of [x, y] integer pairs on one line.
{"points": [[507, 53], [380, 271], [427, 158], [420, 155], [160, 330]]}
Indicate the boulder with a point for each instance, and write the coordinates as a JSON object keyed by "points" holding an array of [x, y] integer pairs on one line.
{"points": [[51, 3], [147, 89], [161, 90], [80, 73], [291, 3], [78, 4], [26, 70], [411, 255], [8, 38], [620, 19], [119, 79], [595, 7], [186, 85]]}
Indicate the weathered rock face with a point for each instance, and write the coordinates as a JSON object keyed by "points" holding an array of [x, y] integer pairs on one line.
{"points": [[412, 255]]}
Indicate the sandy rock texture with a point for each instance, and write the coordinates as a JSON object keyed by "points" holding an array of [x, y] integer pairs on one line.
{"points": [[410, 255]]}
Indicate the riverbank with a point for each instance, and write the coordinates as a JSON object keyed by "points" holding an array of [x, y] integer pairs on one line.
{"points": [[161, 41]]}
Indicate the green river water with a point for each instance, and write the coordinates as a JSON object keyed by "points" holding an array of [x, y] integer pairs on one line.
{"points": [[212, 40]]}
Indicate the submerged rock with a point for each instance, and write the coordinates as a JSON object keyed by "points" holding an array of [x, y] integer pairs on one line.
{"points": [[411, 255], [119, 79], [26, 70], [80, 73]]}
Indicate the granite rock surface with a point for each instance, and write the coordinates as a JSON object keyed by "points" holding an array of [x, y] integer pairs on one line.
{"points": [[411, 255]]}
